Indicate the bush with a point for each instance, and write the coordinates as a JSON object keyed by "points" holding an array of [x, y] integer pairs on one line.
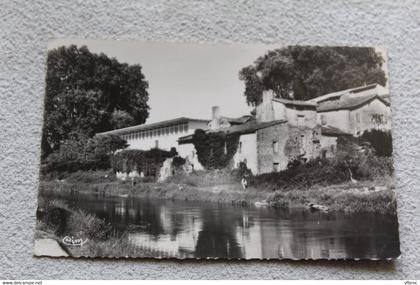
{"points": [[178, 161], [241, 171], [83, 224], [380, 141], [352, 160], [82, 153], [149, 162]]}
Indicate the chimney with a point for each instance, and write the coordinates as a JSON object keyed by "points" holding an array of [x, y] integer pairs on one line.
{"points": [[215, 118], [265, 110], [267, 96]]}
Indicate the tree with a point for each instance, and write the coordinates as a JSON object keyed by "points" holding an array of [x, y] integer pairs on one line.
{"points": [[121, 119], [88, 93], [304, 72]]}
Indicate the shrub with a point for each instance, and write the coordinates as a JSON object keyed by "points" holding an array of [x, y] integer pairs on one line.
{"points": [[352, 160], [241, 171], [178, 161], [55, 215], [87, 225], [82, 153], [381, 141], [149, 162], [215, 150]]}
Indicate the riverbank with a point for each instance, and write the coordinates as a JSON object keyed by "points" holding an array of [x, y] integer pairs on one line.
{"points": [[367, 196], [62, 231]]}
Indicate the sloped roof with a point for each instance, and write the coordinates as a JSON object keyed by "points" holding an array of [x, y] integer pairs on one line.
{"points": [[348, 103], [246, 128], [332, 131], [239, 120], [300, 103], [160, 124], [376, 89]]}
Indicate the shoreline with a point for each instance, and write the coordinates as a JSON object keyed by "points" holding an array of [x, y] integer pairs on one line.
{"points": [[345, 197]]}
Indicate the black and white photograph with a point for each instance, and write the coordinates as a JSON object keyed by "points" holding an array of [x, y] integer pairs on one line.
{"points": [[216, 151]]}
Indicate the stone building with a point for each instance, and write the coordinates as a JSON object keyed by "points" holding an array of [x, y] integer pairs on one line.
{"points": [[354, 111], [282, 131]]}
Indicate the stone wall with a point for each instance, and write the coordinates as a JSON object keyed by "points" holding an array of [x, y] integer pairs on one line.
{"points": [[266, 156]]}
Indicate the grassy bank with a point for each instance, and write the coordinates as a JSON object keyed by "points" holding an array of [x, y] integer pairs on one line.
{"points": [[56, 221], [220, 187]]}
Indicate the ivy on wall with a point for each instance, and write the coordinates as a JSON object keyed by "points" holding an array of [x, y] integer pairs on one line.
{"points": [[149, 162], [215, 150]]}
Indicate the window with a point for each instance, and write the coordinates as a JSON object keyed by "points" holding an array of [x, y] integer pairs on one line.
{"points": [[358, 117], [323, 120], [240, 147], [275, 145], [185, 127], [276, 167], [225, 148], [156, 143], [300, 120]]}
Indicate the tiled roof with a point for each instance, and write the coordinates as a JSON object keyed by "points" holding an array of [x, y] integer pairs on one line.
{"points": [[247, 128], [299, 103], [332, 131], [152, 126], [239, 120], [347, 102], [368, 89]]}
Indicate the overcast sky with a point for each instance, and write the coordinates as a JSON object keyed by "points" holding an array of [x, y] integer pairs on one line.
{"points": [[185, 79]]}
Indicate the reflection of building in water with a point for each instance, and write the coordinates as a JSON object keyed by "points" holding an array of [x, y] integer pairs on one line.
{"points": [[178, 237]]}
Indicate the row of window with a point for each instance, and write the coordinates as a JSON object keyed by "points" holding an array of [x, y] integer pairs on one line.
{"points": [[157, 132]]}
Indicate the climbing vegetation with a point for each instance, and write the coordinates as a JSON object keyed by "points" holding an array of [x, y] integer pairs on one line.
{"points": [[215, 150], [149, 162]]}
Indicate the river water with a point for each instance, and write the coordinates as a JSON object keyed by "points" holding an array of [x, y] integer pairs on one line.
{"points": [[196, 229]]}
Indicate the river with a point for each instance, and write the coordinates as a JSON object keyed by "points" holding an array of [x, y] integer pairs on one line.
{"points": [[194, 229]]}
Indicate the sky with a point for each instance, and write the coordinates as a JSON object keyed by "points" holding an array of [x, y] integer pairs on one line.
{"points": [[184, 79]]}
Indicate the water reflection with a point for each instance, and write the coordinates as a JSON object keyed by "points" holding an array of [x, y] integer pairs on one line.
{"points": [[188, 229]]}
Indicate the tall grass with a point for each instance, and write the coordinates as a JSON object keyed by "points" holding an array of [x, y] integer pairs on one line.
{"points": [[101, 238]]}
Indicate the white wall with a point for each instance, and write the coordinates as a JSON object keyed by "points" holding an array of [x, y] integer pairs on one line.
{"points": [[247, 152], [358, 120], [295, 118], [374, 115], [167, 141], [338, 119]]}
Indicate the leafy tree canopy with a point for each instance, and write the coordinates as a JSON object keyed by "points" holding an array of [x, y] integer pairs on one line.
{"points": [[306, 72], [88, 93]]}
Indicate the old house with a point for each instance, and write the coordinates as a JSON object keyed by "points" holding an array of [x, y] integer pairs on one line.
{"points": [[355, 110], [282, 131]]}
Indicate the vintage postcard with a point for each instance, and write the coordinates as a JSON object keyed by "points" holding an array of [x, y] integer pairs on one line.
{"points": [[168, 150]]}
